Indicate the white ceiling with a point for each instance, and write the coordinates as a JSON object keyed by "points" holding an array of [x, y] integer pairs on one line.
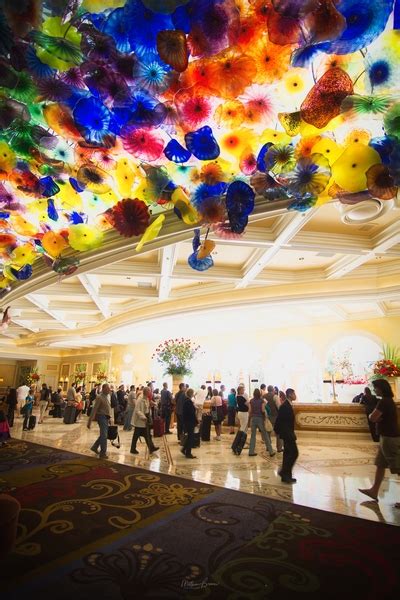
{"points": [[275, 253]]}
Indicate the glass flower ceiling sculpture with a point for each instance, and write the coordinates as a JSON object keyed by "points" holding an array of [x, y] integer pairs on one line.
{"points": [[115, 111]]}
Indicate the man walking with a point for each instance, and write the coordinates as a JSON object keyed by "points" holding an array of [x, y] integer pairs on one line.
{"points": [[189, 423], [102, 413], [166, 406], [180, 397], [284, 427]]}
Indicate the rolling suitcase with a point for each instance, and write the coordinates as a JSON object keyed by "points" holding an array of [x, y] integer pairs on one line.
{"points": [[239, 442], [32, 422], [69, 415], [205, 428], [158, 427]]}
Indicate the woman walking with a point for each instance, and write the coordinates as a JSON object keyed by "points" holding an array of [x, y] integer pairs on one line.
{"points": [[232, 406], [242, 408], [44, 401], [141, 422], [257, 416], [217, 413], [27, 409], [388, 455]]}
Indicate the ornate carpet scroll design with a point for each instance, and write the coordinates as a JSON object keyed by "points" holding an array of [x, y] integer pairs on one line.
{"points": [[90, 528]]}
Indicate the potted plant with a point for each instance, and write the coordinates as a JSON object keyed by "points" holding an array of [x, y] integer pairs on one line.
{"points": [[389, 367], [33, 377], [176, 355]]}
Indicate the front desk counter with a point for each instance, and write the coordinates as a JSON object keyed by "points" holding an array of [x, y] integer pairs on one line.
{"points": [[332, 417]]}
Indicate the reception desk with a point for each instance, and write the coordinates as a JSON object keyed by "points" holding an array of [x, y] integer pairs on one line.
{"points": [[332, 417]]}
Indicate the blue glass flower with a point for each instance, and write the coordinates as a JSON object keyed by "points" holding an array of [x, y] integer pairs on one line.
{"points": [[153, 74], [196, 240], [365, 21], [303, 57], [380, 73], [141, 110], [120, 29], [240, 198], [76, 185], [35, 65], [76, 218], [93, 119], [237, 221], [48, 187], [302, 202], [205, 191], [147, 25], [384, 146], [202, 144], [21, 274], [176, 153], [261, 157], [51, 210], [200, 264]]}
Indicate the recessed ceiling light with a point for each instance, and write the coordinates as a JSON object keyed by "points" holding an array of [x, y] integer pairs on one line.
{"points": [[129, 278], [301, 258]]}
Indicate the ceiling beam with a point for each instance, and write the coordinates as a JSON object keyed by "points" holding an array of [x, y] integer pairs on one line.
{"points": [[381, 308], [127, 291], [168, 259], [91, 284], [58, 316], [383, 242], [289, 225]]}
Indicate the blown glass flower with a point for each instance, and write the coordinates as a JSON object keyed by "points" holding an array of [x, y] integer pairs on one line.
{"points": [[311, 175]]}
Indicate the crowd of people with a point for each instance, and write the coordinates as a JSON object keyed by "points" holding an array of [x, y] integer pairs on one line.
{"points": [[139, 409]]}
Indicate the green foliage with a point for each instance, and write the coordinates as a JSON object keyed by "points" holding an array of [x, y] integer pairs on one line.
{"points": [[176, 355], [391, 353]]}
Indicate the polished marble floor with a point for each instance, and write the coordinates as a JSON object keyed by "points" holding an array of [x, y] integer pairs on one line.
{"points": [[329, 471]]}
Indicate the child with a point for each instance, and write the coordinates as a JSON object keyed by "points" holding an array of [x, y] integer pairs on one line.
{"points": [[27, 408], [4, 428]]}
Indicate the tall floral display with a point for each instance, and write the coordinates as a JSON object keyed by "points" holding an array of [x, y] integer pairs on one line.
{"points": [[176, 355], [388, 368]]}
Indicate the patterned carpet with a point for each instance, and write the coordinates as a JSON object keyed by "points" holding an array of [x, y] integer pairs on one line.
{"points": [[96, 529]]}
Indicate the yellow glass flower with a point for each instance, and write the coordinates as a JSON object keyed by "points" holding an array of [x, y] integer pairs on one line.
{"points": [[349, 170], [97, 6], [151, 232], [358, 136], [69, 198], [237, 140], [230, 113], [275, 137], [7, 158], [53, 27], [53, 243], [84, 237], [294, 81], [22, 226], [125, 176], [23, 255], [328, 148]]}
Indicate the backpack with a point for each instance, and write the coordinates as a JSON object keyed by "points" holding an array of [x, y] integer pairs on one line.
{"points": [[269, 397]]}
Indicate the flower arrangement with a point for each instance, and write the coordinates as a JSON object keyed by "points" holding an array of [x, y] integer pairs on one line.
{"points": [[389, 365], [101, 376], [176, 355], [33, 377], [80, 373]]}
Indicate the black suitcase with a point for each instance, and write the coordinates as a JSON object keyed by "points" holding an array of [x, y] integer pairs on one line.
{"points": [[196, 443], [205, 428], [239, 442], [69, 415], [32, 422]]}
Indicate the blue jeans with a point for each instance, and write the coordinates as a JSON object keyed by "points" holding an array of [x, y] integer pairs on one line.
{"points": [[101, 441], [258, 423], [128, 419]]}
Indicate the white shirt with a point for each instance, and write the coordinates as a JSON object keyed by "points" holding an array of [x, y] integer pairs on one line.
{"points": [[22, 393], [200, 397]]}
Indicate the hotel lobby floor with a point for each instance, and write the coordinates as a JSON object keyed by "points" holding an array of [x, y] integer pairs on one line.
{"points": [[329, 471]]}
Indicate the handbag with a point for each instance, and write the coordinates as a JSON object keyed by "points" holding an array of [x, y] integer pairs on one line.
{"points": [[113, 436], [23, 409], [268, 425], [214, 414]]}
